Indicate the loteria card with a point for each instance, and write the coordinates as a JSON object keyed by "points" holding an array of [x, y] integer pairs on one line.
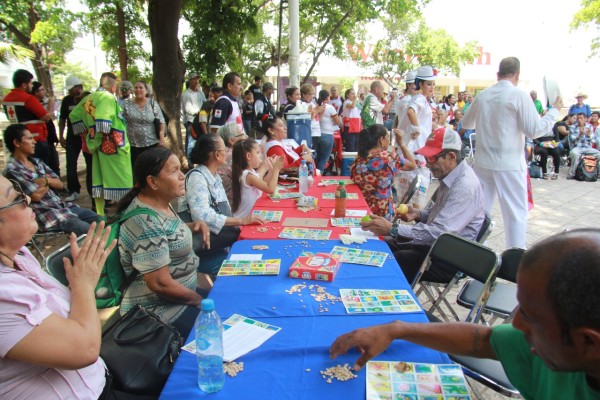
{"points": [[346, 222], [328, 182], [357, 256], [415, 381], [286, 195], [331, 196], [367, 301], [269, 216], [249, 267], [304, 233]]}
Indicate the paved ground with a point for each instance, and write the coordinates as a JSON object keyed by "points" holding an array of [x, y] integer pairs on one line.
{"points": [[559, 205]]}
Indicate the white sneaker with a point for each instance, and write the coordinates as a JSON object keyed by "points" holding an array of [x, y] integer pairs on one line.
{"points": [[73, 196]]}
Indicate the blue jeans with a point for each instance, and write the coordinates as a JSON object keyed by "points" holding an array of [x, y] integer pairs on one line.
{"points": [[80, 223], [323, 146]]}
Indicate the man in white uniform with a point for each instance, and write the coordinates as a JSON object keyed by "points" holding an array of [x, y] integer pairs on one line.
{"points": [[503, 115]]}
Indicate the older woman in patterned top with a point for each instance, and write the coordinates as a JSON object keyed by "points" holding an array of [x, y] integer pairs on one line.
{"points": [[140, 113], [158, 246], [375, 166]]}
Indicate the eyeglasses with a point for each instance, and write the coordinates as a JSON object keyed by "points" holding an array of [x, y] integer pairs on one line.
{"points": [[433, 159], [22, 198]]}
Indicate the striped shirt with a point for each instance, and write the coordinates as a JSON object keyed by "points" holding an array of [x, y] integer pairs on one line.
{"points": [[458, 209]]}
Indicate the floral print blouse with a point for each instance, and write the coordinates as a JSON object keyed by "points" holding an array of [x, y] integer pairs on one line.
{"points": [[374, 175]]}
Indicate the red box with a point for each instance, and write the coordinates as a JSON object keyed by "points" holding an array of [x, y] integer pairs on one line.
{"points": [[316, 267]]}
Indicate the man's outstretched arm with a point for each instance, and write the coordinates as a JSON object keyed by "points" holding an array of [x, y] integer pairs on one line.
{"points": [[458, 338]]}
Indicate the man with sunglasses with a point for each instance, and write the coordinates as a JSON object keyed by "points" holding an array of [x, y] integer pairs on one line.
{"points": [[457, 208]]}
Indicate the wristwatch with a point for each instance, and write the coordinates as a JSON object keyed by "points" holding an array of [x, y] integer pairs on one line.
{"points": [[394, 230]]}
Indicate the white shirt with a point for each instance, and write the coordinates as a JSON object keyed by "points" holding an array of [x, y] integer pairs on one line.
{"points": [[350, 112], [249, 195], [376, 107], [192, 103], [422, 108], [327, 125], [336, 103], [401, 108], [502, 116]]}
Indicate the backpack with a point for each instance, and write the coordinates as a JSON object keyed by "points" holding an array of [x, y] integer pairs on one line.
{"points": [[365, 113], [587, 169], [113, 281]]}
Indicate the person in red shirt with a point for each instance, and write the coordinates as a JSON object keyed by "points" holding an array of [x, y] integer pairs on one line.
{"points": [[23, 108], [275, 131]]}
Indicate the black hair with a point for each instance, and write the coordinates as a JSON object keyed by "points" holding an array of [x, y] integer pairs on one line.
{"points": [[581, 113], [238, 165], [323, 94], [572, 262], [368, 138], [268, 122], [35, 87], [21, 76], [595, 112], [257, 78], [11, 133], [347, 93], [216, 89], [290, 91], [148, 163], [204, 147], [247, 92], [229, 78]]}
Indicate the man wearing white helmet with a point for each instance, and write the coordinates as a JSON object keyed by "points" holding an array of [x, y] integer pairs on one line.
{"points": [[72, 143]]}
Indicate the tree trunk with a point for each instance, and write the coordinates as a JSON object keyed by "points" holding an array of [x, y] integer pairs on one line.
{"points": [[167, 64], [123, 57], [42, 71]]}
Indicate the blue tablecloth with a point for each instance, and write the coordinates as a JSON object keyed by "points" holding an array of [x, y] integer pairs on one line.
{"points": [[278, 369], [266, 296]]}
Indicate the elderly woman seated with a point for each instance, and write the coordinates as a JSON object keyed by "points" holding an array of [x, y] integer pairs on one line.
{"points": [[158, 247], [375, 166]]}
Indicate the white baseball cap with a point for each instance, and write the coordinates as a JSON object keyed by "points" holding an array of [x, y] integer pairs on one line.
{"points": [[72, 81]]}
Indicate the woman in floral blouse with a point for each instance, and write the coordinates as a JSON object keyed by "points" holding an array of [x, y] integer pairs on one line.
{"points": [[140, 113], [375, 166]]}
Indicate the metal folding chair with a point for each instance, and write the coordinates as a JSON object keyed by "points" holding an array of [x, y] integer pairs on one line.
{"points": [[467, 258], [55, 267], [40, 239], [486, 229], [503, 297]]}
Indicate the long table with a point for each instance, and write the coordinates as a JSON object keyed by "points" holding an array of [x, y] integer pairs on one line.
{"points": [[288, 206], [287, 365]]}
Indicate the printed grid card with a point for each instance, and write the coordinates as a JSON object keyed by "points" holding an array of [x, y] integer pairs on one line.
{"points": [[249, 267], [358, 256], [395, 380], [331, 196], [304, 233], [367, 301], [269, 216], [346, 222]]}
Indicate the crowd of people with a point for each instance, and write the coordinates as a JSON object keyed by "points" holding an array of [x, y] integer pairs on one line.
{"points": [[170, 252]]}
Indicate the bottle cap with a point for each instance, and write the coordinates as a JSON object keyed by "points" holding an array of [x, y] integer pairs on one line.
{"points": [[303, 162], [207, 305], [341, 183]]}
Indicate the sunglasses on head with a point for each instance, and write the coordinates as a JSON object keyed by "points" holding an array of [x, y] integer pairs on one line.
{"points": [[20, 199]]}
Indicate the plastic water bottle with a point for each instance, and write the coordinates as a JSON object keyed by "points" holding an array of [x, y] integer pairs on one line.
{"points": [[303, 177], [209, 348], [340, 201]]}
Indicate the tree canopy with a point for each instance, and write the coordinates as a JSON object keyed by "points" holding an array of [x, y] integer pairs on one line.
{"points": [[589, 15]]}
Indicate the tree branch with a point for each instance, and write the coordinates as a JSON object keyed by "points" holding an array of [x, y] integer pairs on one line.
{"points": [[23, 38], [335, 29]]}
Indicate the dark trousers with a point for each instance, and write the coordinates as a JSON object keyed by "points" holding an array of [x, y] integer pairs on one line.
{"points": [[410, 257], [544, 152], [88, 173], [73, 151], [350, 141]]}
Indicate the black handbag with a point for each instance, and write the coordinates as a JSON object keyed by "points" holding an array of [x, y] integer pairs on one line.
{"points": [[139, 351], [156, 121]]}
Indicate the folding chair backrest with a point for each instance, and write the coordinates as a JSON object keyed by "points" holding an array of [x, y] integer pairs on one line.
{"points": [[510, 260], [54, 262], [412, 188], [464, 255]]}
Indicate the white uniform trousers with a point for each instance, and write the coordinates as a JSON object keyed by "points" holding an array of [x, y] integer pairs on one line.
{"points": [[511, 189]]}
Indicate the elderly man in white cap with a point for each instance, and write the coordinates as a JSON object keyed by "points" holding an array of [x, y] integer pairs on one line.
{"points": [[458, 208], [503, 116], [580, 107], [191, 103]]}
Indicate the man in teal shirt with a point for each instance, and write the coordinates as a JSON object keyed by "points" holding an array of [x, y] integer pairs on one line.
{"points": [[552, 348]]}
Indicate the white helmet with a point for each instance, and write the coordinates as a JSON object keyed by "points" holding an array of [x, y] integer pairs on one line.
{"points": [[72, 81]]}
